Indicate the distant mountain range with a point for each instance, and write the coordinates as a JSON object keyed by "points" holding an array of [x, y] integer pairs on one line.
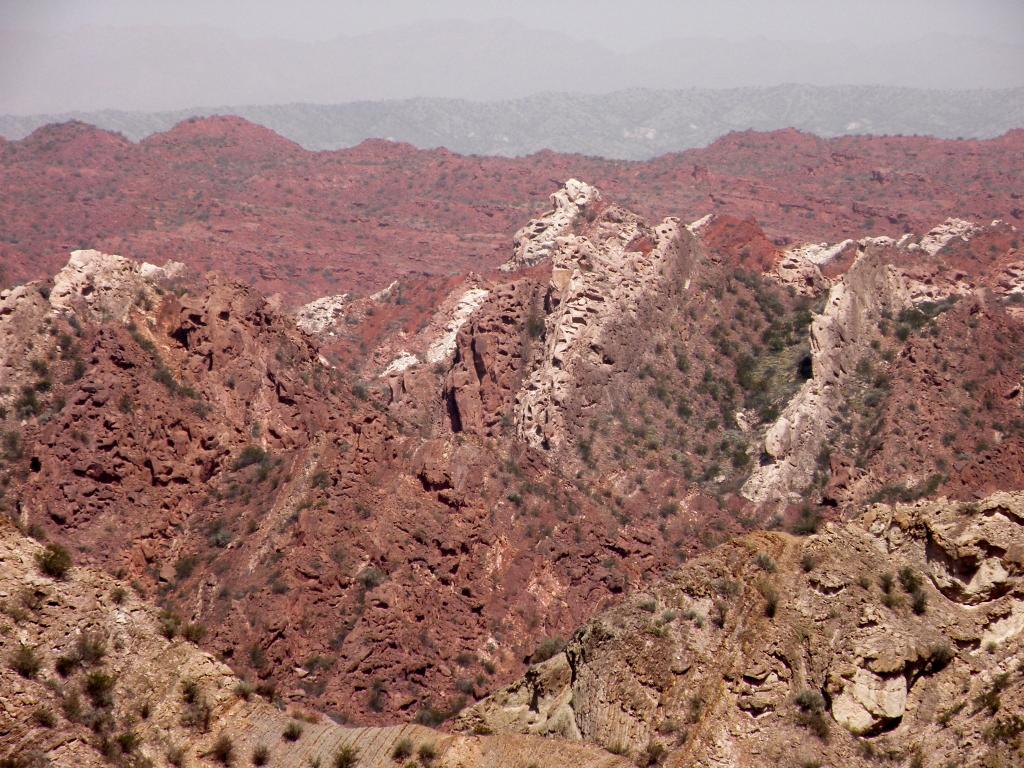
{"points": [[628, 124]]}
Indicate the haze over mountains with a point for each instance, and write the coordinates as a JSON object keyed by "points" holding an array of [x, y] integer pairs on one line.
{"points": [[634, 124], [179, 67]]}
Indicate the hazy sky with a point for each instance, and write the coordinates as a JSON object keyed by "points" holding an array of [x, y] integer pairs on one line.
{"points": [[65, 55], [604, 20]]}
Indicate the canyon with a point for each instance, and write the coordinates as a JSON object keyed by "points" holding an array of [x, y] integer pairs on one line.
{"points": [[709, 460]]}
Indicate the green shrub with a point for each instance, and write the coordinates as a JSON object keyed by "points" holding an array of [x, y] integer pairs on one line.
{"points": [[292, 731], [371, 578], [989, 699], [244, 690], [128, 741], [90, 648], [807, 523]]}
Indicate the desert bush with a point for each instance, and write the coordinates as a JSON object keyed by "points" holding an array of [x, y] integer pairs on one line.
{"points": [[546, 649], [128, 742], [244, 689], [260, 755], [54, 561], [90, 648], [719, 612], [654, 754], [169, 622], [427, 753], [807, 523], [26, 662], [891, 600], [989, 698], [940, 656], [44, 717], [99, 687], [223, 749], [811, 712], [12, 445], [1005, 730], [346, 757], [251, 454], [919, 602], [370, 578], [402, 750], [909, 579], [71, 705], [197, 712], [292, 731], [771, 598]]}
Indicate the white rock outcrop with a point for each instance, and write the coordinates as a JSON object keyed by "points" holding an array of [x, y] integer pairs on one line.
{"points": [[537, 240], [465, 305], [107, 284], [595, 280], [840, 336], [941, 235], [404, 361], [322, 314]]}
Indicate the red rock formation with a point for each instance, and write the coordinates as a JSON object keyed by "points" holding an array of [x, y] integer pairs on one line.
{"points": [[220, 193]]}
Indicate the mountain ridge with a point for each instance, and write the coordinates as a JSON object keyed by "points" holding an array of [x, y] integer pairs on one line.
{"points": [[635, 124]]}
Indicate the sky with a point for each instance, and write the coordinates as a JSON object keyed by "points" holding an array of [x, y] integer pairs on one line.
{"points": [[64, 55], [602, 20]]}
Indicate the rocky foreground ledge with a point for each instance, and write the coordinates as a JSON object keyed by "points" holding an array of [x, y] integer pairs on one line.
{"points": [[896, 636]]}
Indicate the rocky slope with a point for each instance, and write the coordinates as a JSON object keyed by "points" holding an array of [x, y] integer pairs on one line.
{"points": [[383, 506], [895, 637], [313, 521], [93, 676]]}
